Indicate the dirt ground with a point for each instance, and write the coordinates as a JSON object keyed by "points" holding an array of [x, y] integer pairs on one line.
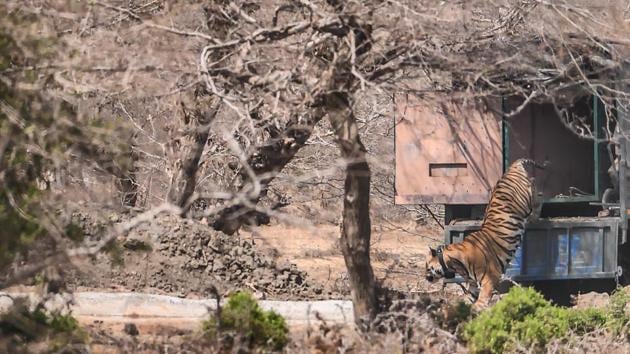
{"points": [[186, 258], [397, 254]]}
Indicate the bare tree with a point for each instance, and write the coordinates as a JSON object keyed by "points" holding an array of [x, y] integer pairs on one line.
{"points": [[266, 75], [356, 224], [492, 51], [191, 146]]}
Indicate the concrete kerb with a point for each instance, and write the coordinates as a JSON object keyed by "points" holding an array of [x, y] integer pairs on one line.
{"points": [[131, 307]]}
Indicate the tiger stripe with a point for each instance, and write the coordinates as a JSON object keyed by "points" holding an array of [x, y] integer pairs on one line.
{"points": [[484, 254]]}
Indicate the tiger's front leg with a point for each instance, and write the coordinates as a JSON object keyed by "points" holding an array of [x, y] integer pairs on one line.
{"points": [[472, 290]]}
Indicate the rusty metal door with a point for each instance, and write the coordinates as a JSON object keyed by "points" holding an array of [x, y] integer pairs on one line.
{"points": [[447, 152]]}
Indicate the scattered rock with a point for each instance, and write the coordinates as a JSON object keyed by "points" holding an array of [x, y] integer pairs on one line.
{"points": [[217, 266], [131, 329], [188, 256], [134, 244], [591, 300]]}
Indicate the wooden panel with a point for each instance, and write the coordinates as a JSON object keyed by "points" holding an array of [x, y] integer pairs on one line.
{"points": [[446, 152]]}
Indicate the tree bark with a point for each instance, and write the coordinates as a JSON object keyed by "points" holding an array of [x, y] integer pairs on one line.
{"points": [[356, 225], [197, 123], [269, 159], [127, 182], [121, 165]]}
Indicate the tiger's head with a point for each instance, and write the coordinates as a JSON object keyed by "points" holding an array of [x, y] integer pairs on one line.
{"points": [[433, 268]]}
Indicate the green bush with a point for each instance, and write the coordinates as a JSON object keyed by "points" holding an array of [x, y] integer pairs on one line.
{"points": [[452, 316], [618, 318], [524, 316], [243, 316], [39, 132], [24, 326]]}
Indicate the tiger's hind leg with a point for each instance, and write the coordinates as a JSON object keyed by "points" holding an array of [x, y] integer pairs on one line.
{"points": [[485, 294]]}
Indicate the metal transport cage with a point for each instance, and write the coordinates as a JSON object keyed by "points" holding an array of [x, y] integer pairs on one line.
{"points": [[558, 248]]}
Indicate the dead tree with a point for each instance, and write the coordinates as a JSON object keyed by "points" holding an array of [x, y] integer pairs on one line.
{"points": [[271, 157], [342, 41], [197, 126], [128, 182], [198, 120], [356, 224], [120, 164], [267, 161]]}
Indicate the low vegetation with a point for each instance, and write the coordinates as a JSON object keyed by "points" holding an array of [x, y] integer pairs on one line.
{"points": [[523, 317], [22, 328], [243, 321]]}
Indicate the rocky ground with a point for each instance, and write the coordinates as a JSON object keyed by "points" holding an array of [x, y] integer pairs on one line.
{"points": [[410, 325], [187, 258]]}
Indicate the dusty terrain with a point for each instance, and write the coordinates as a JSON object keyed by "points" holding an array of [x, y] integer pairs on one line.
{"points": [[186, 258], [278, 261], [417, 315], [397, 254]]}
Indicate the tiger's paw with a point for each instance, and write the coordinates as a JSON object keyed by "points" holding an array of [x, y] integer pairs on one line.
{"points": [[479, 306]]}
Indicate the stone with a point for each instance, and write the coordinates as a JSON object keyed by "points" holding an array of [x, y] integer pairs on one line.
{"points": [[135, 244], [217, 265], [131, 329], [591, 300], [284, 266]]}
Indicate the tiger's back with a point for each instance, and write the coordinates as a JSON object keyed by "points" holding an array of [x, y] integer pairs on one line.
{"points": [[511, 205], [484, 254]]}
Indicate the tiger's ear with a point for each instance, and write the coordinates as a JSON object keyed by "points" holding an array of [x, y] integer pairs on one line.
{"points": [[433, 252]]}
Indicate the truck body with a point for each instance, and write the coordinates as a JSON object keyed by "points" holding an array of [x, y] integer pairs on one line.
{"points": [[452, 152]]}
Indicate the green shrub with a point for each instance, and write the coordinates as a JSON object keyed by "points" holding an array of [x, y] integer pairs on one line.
{"points": [[524, 316], [618, 319], [243, 316], [25, 326], [63, 323], [39, 131], [452, 316]]}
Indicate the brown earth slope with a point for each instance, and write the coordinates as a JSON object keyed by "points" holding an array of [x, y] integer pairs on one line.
{"points": [[186, 258]]}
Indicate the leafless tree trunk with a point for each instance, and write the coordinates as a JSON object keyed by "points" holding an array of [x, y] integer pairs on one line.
{"points": [[197, 122], [123, 168], [268, 160], [127, 183], [356, 225]]}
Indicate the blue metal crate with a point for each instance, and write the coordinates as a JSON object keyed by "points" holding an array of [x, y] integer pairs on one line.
{"points": [[558, 248]]}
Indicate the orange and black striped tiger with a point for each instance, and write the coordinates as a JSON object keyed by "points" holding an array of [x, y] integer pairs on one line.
{"points": [[482, 257]]}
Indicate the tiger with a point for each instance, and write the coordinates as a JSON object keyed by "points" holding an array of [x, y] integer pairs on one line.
{"points": [[482, 257]]}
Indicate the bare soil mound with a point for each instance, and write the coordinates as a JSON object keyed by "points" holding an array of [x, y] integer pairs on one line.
{"points": [[187, 258]]}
